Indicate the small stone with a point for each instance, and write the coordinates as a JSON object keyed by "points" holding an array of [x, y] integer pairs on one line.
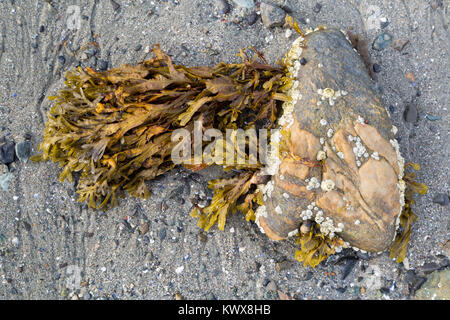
{"points": [[410, 114], [348, 267], [317, 8], [41, 29], [376, 67], [143, 228], [303, 61], [222, 6], [272, 16], [102, 65], [272, 286], [436, 287], [61, 59], [162, 234], [7, 153], [115, 5], [434, 5], [247, 4], [399, 44], [442, 199], [251, 18], [414, 281], [34, 45], [430, 267], [138, 47], [23, 151], [283, 265], [202, 237], [382, 41]]}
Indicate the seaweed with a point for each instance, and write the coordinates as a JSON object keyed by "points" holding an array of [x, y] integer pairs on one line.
{"points": [[407, 216]]}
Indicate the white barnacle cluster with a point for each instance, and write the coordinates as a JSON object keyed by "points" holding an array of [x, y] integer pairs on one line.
{"points": [[326, 224], [330, 95], [401, 183], [359, 149], [312, 183], [261, 211], [327, 185]]}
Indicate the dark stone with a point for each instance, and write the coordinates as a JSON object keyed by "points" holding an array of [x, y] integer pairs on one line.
{"points": [[307, 276], [442, 199], [162, 234], [41, 29], [222, 6], [115, 5], [251, 18], [102, 65], [384, 290], [414, 281], [317, 8], [34, 45], [23, 151], [376, 67], [341, 290], [7, 153], [272, 16], [303, 61], [430, 267], [348, 267], [61, 59], [138, 47], [410, 114]]}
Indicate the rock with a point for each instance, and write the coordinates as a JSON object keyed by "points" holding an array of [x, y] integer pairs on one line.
{"points": [[399, 44], [414, 281], [6, 153], [283, 265], [251, 18], [162, 234], [202, 237], [317, 7], [430, 267], [272, 16], [436, 287], [382, 41], [115, 5], [272, 286], [23, 151], [376, 68], [442, 199], [222, 6], [4, 179], [410, 114], [138, 47], [350, 116], [247, 4], [102, 65], [348, 267], [143, 228], [61, 60]]}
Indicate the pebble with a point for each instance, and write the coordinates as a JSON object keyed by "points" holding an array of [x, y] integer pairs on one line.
{"points": [[138, 47], [442, 199], [23, 151], [4, 181], [41, 29], [272, 16], [251, 18], [115, 5], [7, 153], [348, 267], [382, 41], [202, 237], [247, 4], [317, 8], [283, 265], [414, 281], [61, 59], [430, 267], [102, 65], [376, 67], [222, 6], [303, 61], [271, 286], [410, 114], [162, 234], [400, 44], [143, 228]]}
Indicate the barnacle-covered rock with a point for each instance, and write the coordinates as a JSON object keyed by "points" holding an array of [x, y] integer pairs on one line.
{"points": [[339, 163]]}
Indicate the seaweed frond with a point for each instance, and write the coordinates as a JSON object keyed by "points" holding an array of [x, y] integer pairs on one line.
{"points": [[407, 217], [314, 246]]}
